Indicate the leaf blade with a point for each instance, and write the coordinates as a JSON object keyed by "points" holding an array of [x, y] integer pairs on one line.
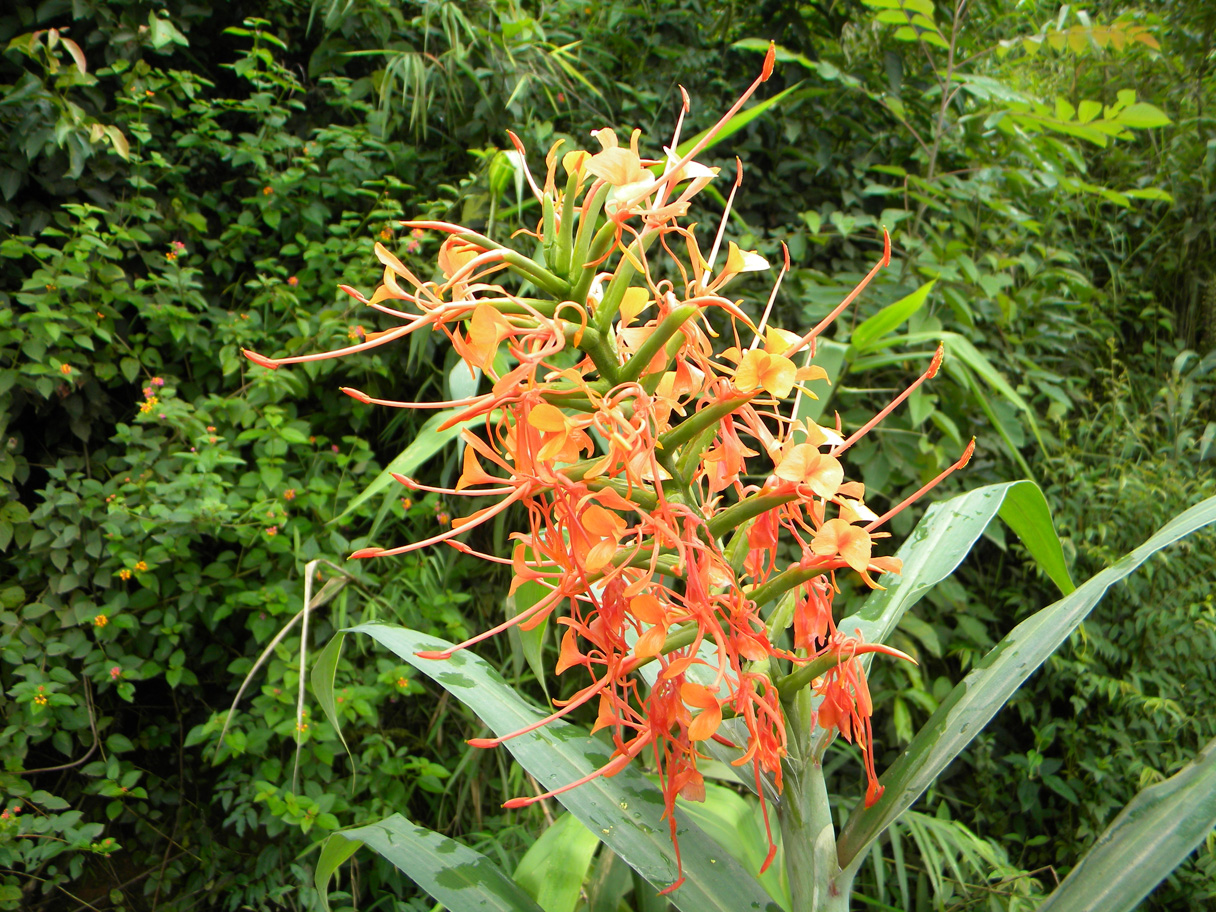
{"points": [[1151, 836], [624, 811], [978, 697], [458, 877]]}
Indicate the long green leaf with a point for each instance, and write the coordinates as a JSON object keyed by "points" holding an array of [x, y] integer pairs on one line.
{"points": [[553, 870], [738, 122], [974, 701], [887, 319], [960, 347], [624, 812], [429, 441], [455, 875], [1151, 836], [944, 537]]}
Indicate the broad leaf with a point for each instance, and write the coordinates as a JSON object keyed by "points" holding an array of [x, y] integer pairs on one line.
{"points": [[553, 870], [974, 701], [1151, 836], [455, 875], [623, 812], [944, 537]]}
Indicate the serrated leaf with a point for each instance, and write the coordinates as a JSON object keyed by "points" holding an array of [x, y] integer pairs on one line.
{"points": [[978, 697]]}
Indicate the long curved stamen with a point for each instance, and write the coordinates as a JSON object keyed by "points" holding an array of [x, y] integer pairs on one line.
{"points": [[929, 374], [908, 501]]}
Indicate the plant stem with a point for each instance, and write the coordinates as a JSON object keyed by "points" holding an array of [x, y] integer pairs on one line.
{"points": [[807, 834]]}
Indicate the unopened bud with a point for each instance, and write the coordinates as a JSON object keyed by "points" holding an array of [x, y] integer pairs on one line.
{"points": [[769, 59], [356, 394], [966, 457], [261, 360], [886, 247], [936, 363]]}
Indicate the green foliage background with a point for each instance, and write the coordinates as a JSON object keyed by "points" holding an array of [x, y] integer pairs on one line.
{"points": [[200, 180]]}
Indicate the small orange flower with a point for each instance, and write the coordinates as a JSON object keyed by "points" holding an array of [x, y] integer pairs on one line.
{"points": [[140, 566], [289, 494], [65, 369], [40, 700], [293, 281], [406, 503], [124, 574], [444, 517], [403, 682], [266, 191], [100, 621], [272, 531]]}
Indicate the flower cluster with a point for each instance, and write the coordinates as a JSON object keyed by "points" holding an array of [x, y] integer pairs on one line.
{"points": [[646, 428]]}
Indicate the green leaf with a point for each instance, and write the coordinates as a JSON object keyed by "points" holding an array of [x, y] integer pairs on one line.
{"points": [[888, 318], [459, 878], [429, 441], [624, 812], [532, 642], [552, 871], [1159, 828], [1149, 193], [739, 121], [1142, 115], [944, 537], [978, 697]]}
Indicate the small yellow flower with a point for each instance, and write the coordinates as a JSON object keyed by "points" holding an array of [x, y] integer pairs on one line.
{"points": [[100, 621], [403, 683], [266, 191], [40, 700], [124, 574], [65, 369], [140, 566], [406, 503]]}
